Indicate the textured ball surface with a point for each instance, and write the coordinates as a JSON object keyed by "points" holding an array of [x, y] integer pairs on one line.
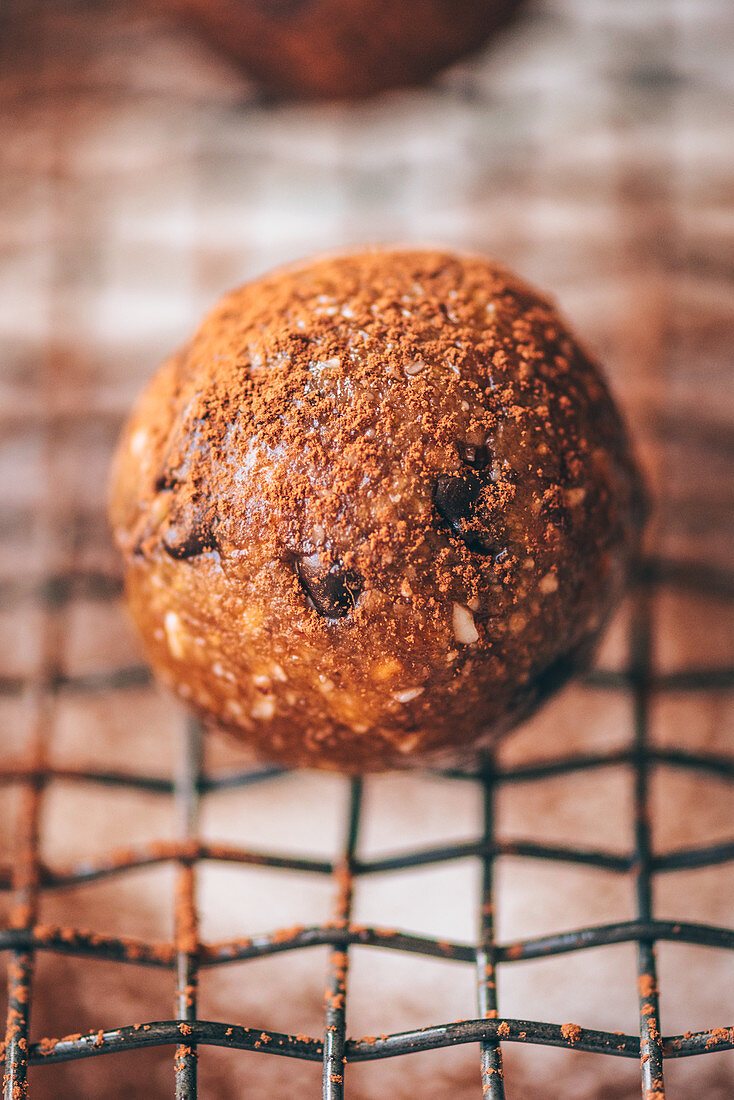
{"points": [[376, 510], [342, 48]]}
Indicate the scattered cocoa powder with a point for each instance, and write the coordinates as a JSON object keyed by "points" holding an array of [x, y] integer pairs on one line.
{"points": [[571, 1032], [646, 986], [377, 508]]}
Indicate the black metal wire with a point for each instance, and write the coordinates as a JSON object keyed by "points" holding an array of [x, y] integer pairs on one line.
{"points": [[651, 1047], [186, 919], [186, 955], [336, 991], [489, 1049]]}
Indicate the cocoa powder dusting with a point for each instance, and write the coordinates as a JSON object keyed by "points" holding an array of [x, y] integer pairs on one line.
{"points": [[646, 986], [372, 502]]}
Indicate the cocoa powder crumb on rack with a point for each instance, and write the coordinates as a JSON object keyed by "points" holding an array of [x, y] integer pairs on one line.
{"points": [[571, 1032]]}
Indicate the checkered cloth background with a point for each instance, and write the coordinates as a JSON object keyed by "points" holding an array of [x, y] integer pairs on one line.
{"points": [[590, 147]]}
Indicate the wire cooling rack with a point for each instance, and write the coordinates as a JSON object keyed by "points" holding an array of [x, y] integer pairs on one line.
{"points": [[28, 877]]}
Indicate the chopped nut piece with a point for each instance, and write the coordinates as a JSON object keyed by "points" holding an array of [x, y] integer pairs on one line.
{"points": [[386, 669], [264, 707], [518, 622], [407, 744], [408, 695], [465, 631], [574, 497], [174, 634], [138, 441]]}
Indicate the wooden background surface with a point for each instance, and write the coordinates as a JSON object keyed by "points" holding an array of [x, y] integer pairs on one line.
{"points": [[592, 149]]}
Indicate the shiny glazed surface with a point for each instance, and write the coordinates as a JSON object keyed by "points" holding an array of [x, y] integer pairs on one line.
{"points": [[376, 511]]}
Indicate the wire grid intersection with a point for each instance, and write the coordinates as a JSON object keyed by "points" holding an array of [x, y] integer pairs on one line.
{"points": [[28, 876]]}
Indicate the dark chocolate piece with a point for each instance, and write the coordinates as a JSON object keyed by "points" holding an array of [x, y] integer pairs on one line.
{"points": [[457, 497], [188, 532], [332, 589], [476, 455], [165, 482]]}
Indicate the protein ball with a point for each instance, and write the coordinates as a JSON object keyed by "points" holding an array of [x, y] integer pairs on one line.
{"points": [[344, 48], [376, 510]]}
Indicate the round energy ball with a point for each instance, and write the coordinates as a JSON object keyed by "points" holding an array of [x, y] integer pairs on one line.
{"points": [[343, 48], [376, 510]]}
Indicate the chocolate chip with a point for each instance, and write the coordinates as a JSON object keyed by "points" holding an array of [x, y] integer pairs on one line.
{"points": [[476, 455], [333, 590], [457, 497], [165, 482], [188, 532]]}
